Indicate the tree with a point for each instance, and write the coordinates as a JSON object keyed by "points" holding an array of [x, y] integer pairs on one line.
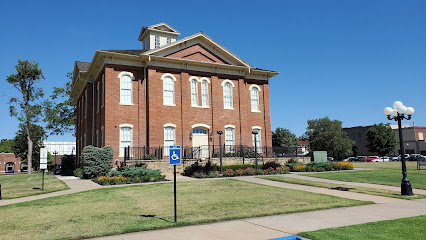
{"points": [[59, 114], [6, 145], [327, 135], [26, 107], [381, 139], [49, 158], [283, 138], [20, 148]]}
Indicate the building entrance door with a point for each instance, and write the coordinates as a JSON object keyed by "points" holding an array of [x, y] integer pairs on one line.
{"points": [[200, 140]]}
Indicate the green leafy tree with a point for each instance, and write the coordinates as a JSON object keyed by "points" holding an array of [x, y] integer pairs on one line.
{"points": [[59, 114], [49, 158], [381, 139], [6, 145], [327, 135], [20, 148], [26, 107], [283, 138]]}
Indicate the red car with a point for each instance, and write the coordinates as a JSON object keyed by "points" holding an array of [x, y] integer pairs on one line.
{"points": [[370, 159]]}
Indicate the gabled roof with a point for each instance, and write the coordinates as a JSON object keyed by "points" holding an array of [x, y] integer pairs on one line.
{"points": [[198, 38], [82, 66], [135, 52], [161, 27]]}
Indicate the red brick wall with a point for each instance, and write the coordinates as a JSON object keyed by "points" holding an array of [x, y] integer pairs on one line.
{"points": [[9, 157]]}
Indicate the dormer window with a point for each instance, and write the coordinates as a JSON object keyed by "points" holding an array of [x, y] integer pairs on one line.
{"points": [[157, 35], [156, 41], [169, 40]]}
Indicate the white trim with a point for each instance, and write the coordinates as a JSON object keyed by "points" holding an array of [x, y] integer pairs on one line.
{"points": [[226, 81], [169, 104], [193, 78], [255, 86], [200, 106], [257, 111], [127, 104], [204, 79], [228, 108], [168, 75], [200, 125], [256, 127], [169, 125], [229, 126], [123, 73], [126, 125]]}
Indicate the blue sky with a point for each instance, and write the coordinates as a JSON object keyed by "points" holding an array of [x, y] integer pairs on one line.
{"points": [[344, 59]]}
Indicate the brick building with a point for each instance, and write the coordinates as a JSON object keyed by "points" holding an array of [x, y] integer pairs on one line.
{"points": [[170, 92]]}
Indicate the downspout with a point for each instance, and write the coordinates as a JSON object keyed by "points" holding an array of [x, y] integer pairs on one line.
{"points": [[146, 98], [93, 112]]}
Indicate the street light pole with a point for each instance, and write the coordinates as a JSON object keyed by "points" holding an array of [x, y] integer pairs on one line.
{"points": [[220, 149], [398, 115], [255, 132]]}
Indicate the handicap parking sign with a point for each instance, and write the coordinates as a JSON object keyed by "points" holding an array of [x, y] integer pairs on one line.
{"points": [[174, 155]]}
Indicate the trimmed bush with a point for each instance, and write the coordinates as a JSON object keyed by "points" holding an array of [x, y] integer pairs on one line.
{"points": [[283, 170], [198, 168], [273, 165], [96, 161], [78, 173], [106, 180], [300, 168], [343, 166]]}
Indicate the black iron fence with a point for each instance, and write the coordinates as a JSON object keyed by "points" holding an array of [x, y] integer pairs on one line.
{"points": [[208, 152]]}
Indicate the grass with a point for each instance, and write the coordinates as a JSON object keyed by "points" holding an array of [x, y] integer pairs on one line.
{"points": [[23, 185], [387, 173], [404, 228], [342, 187], [110, 211]]}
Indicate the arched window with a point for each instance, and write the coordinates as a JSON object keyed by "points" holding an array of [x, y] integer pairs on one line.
{"points": [[229, 138], [227, 94], [125, 137], [194, 92], [169, 137], [204, 93], [168, 89], [126, 87], [254, 96]]}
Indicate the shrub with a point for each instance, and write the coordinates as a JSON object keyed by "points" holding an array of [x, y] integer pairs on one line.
{"points": [[308, 169], [269, 171], [107, 180], [250, 171], [237, 166], [228, 172], [319, 169], [343, 166], [213, 174], [328, 168], [78, 173], [283, 169], [196, 167], [260, 172], [96, 161], [68, 165], [273, 165], [299, 168], [149, 156]]}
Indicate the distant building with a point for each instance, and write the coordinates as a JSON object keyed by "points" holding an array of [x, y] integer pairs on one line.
{"points": [[303, 147], [414, 139]]}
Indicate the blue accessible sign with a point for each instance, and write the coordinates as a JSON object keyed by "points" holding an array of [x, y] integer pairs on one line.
{"points": [[174, 155]]}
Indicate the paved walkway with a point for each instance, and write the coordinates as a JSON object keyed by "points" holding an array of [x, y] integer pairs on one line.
{"points": [[263, 228]]}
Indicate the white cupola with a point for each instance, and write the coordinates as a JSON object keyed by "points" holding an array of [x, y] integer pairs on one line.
{"points": [[158, 35]]}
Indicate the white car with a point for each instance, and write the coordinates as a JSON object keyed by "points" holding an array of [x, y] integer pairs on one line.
{"points": [[384, 159]]}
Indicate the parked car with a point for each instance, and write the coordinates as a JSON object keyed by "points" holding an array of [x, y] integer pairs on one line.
{"points": [[415, 157], [371, 159], [361, 157], [384, 159], [351, 159]]}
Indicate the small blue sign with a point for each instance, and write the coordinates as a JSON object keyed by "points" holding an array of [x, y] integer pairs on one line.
{"points": [[174, 155]]}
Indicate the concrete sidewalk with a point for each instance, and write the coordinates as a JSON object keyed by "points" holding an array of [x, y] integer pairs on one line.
{"points": [[290, 224]]}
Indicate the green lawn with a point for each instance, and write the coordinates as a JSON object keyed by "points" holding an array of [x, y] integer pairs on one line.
{"points": [[23, 185], [134, 208], [387, 173], [412, 228], [342, 187]]}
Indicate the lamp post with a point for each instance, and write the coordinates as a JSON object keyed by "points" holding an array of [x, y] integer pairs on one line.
{"points": [[255, 132], [397, 114], [220, 149], [55, 152]]}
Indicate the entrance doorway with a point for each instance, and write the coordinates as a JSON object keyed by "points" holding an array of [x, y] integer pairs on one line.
{"points": [[200, 140]]}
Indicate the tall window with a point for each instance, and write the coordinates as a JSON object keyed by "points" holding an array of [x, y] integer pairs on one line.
{"points": [[227, 95], [168, 90], [254, 95], [98, 105], [229, 139], [194, 92], [125, 89], [258, 140], [156, 41], [169, 40], [125, 138], [169, 139], [204, 93], [103, 89]]}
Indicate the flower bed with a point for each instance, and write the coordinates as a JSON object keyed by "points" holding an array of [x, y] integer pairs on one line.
{"points": [[229, 172], [320, 167], [130, 175]]}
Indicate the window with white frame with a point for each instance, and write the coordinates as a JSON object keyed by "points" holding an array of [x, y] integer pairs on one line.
{"points": [[156, 41], [257, 139], [229, 138], [169, 138], [125, 88], [125, 137], [168, 90], [204, 93], [227, 95], [103, 90], [194, 92], [98, 105], [254, 96], [169, 40]]}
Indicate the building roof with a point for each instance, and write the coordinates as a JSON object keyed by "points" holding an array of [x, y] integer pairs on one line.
{"points": [[135, 52], [82, 66]]}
